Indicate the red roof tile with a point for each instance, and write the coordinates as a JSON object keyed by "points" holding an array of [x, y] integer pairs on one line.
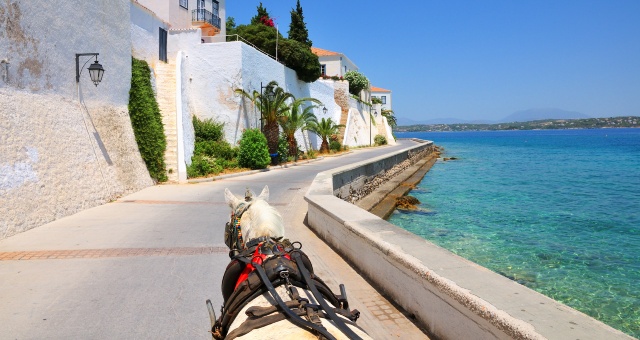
{"points": [[321, 53], [378, 89]]}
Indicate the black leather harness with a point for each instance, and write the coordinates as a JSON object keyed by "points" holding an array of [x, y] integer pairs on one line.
{"points": [[290, 267]]}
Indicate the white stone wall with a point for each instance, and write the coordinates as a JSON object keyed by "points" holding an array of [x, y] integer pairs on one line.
{"points": [[210, 72], [51, 162], [360, 128], [145, 33]]}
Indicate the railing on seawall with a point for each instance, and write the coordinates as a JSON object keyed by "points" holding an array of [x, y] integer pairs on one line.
{"points": [[451, 297]]}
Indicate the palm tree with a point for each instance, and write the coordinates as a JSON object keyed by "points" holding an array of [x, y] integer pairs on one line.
{"points": [[324, 129], [296, 119], [272, 104], [391, 118]]}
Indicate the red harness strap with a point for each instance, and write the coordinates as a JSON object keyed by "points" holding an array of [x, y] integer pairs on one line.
{"points": [[258, 257]]}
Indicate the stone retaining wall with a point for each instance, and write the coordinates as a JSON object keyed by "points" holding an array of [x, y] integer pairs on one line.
{"points": [[451, 297], [352, 183], [65, 146]]}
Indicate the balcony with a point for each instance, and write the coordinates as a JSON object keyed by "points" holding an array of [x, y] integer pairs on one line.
{"points": [[207, 21]]}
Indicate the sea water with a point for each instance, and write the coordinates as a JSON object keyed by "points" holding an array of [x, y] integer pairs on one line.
{"points": [[555, 210]]}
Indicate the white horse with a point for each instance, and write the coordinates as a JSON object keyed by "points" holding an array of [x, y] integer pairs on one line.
{"points": [[286, 307], [262, 220]]}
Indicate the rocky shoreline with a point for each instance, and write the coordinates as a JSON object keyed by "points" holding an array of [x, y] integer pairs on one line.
{"points": [[383, 193]]}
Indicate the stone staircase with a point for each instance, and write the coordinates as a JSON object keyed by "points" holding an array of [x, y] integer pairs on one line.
{"points": [[344, 116], [166, 96]]}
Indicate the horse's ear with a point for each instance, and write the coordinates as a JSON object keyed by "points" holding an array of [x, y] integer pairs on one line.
{"points": [[230, 198], [265, 193]]}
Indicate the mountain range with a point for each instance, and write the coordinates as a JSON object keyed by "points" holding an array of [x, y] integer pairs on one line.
{"points": [[519, 116]]}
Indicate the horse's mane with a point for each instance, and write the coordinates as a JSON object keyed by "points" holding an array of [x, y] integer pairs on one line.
{"points": [[264, 220]]}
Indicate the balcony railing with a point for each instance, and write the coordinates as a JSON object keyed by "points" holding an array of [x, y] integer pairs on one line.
{"points": [[202, 15]]}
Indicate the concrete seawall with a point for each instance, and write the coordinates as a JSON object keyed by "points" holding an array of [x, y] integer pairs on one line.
{"points": [[451, 297]]}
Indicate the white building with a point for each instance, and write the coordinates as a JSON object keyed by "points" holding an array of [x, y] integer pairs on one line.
{"points": [[208, 15], [384, 95], [333, 63]]}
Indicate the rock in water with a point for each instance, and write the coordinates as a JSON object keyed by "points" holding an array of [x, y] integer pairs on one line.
{"points": [[407, 202]]}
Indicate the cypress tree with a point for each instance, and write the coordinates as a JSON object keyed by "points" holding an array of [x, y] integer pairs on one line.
{"points": [[298, 29], [262, 12]]}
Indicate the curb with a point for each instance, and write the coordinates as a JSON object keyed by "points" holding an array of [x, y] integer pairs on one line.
{"points": [[251, 172]]}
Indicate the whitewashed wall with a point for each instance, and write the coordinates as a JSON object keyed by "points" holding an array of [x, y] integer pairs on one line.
{"points": [[211, 72], [50, 163], [360, 128], [145, 33]]}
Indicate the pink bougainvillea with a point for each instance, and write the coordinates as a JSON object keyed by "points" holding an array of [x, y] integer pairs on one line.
{"points": [[267, 21]]}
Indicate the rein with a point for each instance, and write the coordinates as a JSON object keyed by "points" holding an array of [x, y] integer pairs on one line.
{"points": [[233, 232], [288, 266]]}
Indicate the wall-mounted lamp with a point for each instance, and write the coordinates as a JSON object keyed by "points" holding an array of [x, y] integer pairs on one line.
{"points": [[95, 70], [5, 66], [324, 110]]}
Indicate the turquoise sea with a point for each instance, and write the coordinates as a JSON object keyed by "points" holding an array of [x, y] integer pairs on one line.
{"points": [[555, 210]]}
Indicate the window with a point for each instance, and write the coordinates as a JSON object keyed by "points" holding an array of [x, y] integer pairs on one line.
{"points": [[323, 69], [163, 44], [345, 69], [384, 99], [184, 4], [216, 8]]}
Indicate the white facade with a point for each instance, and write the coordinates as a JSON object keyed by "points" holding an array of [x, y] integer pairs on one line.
{"points": [[211, 72], [179, 14], [64, 146], [334, 63], [145, 31], [384, 95]]}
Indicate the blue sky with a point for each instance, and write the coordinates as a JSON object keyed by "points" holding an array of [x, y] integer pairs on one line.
{"points": [[481, 60]]}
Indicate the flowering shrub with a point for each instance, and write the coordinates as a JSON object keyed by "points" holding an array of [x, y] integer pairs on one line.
{"points": [[267, 21], [324, 76], [357, 82]]}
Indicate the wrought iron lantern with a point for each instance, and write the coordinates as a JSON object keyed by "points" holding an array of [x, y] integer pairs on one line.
{"points": [[96, 71]]}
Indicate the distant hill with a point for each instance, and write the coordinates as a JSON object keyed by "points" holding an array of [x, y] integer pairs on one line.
{"points": [[403, 121], [542, 114], [519, 116], [545, 124]]}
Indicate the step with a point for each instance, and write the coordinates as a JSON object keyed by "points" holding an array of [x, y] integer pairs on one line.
{"points": [[166, 89]]}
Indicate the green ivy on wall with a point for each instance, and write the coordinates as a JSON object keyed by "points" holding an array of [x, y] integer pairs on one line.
{"points": [[146, 120]]}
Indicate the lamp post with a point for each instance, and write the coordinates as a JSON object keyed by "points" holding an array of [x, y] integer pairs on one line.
{"points": [[95, 70], [375, 113], [270, 96]]}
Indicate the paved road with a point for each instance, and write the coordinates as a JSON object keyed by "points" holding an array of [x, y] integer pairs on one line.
{"points": [[142, 267]]}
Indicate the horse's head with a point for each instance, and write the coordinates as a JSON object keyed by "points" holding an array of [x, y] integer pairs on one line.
{"points": [[257, 218]]}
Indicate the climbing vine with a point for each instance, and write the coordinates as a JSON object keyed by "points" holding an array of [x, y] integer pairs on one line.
{"points": [[146, 120]]}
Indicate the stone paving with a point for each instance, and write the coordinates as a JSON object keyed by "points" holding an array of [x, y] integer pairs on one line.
{"points": [[141, 267], [111, 252]]}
